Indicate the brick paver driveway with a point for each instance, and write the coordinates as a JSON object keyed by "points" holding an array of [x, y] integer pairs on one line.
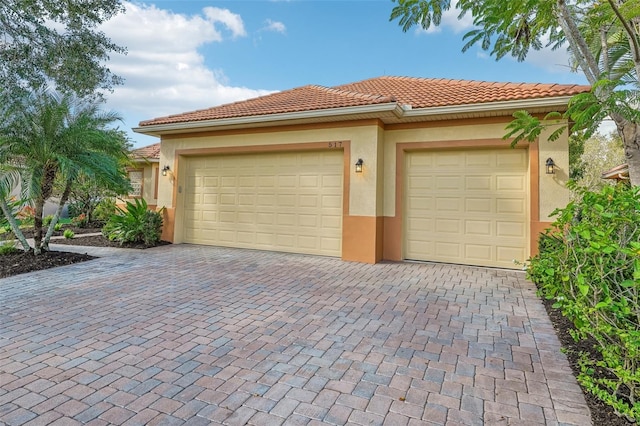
{"points": [[201, 335]]}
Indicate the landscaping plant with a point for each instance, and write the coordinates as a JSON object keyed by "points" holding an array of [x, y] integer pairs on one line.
{"points": [[68, 234], [134, 224], [589, 265]]}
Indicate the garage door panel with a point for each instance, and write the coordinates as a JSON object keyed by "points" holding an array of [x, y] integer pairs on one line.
{"points": [[510, 183], [478, 205], [478, 183], [515, 206], [285, 201], [478, 227], [448, 204], [477, 216]]}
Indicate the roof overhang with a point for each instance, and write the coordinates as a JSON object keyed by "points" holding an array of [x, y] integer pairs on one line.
{"points": [[389, 113]]}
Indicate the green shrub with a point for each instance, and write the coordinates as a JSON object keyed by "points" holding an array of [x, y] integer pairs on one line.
{"points": [[68, 233], [47, 220], [590, 266], [79, 221], [75, 209], [8, 248], [135, 224], [57, 226], [104, 210]]}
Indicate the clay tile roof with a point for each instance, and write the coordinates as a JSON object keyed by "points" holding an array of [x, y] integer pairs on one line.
{"points": [[305, 98], [620, 172], [149, 152], [428, 92], [408, 91]]}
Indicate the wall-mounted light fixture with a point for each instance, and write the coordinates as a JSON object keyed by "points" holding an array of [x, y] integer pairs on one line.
{"points": [[359, 164], [550, 166], [165, 170]]}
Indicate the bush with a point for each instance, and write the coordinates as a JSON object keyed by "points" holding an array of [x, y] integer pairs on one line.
{"points": [[79, 221], [135, 224], [68, 233], [57, 226], [589, 264], [104, 210], [75, 209], [47, 220], [8, 247]]}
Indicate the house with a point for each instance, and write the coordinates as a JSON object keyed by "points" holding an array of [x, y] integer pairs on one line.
{"points": [[387, 168], [144, 173]]}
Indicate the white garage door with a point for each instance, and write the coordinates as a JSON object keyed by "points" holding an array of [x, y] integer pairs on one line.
{"points": [[283, 201], [467, 207]]}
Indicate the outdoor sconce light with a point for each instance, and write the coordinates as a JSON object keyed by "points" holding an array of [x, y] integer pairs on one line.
{"points": [[359, 164], [550, 165], [165, 170]]}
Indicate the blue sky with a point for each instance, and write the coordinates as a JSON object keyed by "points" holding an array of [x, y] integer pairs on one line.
{"points": [[190, 54]]}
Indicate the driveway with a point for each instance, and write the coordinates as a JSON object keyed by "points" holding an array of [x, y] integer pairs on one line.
{"points": [[199, 335]]}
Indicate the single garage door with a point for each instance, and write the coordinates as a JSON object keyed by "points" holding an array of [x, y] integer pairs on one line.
{"points": [[467, 207], [277, 201]]}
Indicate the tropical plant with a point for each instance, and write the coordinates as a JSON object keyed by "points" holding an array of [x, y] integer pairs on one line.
{"points": [[68, 233], [9, 181], [589, 265], [56, 136], [603, 38], [135, 224]]}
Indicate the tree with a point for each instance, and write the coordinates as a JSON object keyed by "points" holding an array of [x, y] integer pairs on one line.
{"points": [[603, 38], [45, 42], [601, 152], [60, 136]]}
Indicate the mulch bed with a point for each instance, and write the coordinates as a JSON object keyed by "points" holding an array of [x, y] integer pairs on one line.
{"points": [[22, 262]]}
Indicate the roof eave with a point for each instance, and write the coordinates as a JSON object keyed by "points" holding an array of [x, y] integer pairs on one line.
{"points": [[550, 104], [400, 111], [159, 129]]}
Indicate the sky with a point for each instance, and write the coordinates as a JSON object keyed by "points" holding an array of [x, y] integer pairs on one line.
{"points": [[191, 54]]}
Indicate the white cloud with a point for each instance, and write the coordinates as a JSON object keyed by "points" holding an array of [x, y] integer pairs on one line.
{"points": [[450, 20], [164, 72], [275, 26], [230, 20], [556, 61]]}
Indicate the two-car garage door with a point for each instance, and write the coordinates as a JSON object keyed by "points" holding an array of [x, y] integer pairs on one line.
{"points": [[467, 207], [288, 201]]}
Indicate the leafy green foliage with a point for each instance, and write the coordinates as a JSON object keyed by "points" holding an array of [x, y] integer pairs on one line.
{"points": [[68, 233], [87, 194], [589, 265], [104, 210], [600, 153], [135, 224], [59, 137], [57, 42], [8, 247]]}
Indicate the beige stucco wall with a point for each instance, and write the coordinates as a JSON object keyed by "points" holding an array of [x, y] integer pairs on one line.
{"points": [[364, 199], [553, 190], [149, 171]]}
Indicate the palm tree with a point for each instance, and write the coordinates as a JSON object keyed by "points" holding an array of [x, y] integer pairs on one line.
{"points": [[10, 181], [59, 136]]}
